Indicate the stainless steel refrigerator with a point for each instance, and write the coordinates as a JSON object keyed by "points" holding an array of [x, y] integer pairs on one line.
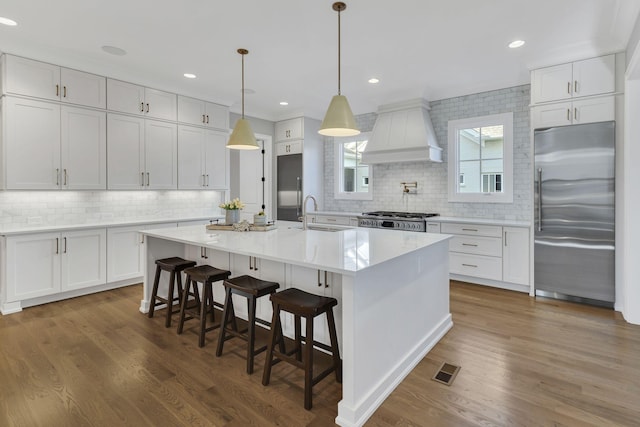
{"points": [[289, 187], [574, 218]]}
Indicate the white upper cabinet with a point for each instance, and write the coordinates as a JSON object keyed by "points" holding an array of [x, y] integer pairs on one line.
{"points": [[289, 129], [578, 111], [31, 139], [196, 112], [589, 77], [41, 80], [142, 154], [133, 99], [203, 159]]}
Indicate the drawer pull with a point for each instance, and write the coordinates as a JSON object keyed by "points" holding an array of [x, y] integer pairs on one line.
{"points": [[470, 229], [469, 265], [469, 244]]}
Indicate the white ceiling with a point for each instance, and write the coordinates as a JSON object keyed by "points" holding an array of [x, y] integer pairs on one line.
{"points": [[433, 49]]}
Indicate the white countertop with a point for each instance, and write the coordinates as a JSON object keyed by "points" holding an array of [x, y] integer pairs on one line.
{"points": [[345, 251], [331, 213], [42, 228]]}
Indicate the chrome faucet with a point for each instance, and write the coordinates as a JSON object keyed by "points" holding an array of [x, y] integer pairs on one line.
{"points": [[304, 210]]}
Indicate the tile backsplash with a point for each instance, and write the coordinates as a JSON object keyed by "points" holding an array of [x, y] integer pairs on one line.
{"points": [[24, 208], [432, 178]]}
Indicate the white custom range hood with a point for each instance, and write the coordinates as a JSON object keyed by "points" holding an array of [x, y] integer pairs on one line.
{"points": [[403, 133]]}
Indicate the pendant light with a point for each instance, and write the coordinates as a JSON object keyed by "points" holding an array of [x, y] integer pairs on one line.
{"points": [[242, 137], [339, 121]]}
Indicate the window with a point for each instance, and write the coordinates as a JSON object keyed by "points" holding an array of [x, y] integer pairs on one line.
{"points": [[352, 178], [481, 159]]}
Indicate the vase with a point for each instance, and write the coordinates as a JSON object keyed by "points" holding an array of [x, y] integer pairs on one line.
{"points": [[259, 219], [232, 216]]}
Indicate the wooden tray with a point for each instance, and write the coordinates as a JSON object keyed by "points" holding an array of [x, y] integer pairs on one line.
{"points": [[229, 227]]}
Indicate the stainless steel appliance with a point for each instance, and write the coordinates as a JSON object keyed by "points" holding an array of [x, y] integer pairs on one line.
{"points": [[405, 221], [574, 212], [289, 187]]}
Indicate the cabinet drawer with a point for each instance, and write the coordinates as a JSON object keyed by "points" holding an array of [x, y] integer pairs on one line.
{"points": [[289, 129], [284, 148], [433, 227], [471, 229], [490, 246], [326, 219], [475, 265]]}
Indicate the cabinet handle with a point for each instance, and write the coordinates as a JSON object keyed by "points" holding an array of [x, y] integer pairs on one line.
{"points": [[57, 176], [65, 177], [203, 181], [469, 244], [207, 119], [319, 282], [569, 88], [469, 265], [568, 114], [142, 107], [203, 119], [142, 175], [575, 113], [250, 266], [203, 252], [57, 246], [255, 264], [148, 180], [141, 238], [57, 94], [65, 245], [326, 281], [147, 107], [470, 229], [207, 180], [64, 91], [505, 239], [575, 86]]}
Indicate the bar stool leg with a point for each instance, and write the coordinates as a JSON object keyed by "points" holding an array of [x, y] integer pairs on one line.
{"points": [[227, 311], [251, 302], [179, 281], [308, 364], [154, 292], [335, 353], [183, 304], [275, 330], [206, 297], [172, 280], [298, 337]]}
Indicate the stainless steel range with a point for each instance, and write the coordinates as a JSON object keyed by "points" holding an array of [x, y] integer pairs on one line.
{"points": [[406, 221]]}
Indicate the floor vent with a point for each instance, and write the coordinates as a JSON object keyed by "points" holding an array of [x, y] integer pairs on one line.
{"points": [[446, 374]]}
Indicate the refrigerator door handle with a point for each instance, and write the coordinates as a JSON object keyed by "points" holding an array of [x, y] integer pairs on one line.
{"points": [[539, 199]]}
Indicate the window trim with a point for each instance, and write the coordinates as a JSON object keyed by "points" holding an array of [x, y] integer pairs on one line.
{"points": [[338, 169], [506, 196]]}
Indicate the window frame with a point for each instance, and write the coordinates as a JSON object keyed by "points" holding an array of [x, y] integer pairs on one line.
{"points": [[455, 126], [339, 168]]}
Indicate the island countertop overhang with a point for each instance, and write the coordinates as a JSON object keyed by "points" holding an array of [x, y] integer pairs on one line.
{"points": [[345, 251]]}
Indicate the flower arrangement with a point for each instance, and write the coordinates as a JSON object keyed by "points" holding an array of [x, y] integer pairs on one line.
{"points": [[233, 205]]}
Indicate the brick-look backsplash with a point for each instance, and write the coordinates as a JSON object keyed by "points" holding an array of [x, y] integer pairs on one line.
{"points": [[432, 177], [23, 208]]}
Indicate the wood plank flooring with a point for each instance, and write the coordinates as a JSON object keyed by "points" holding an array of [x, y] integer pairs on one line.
{"points": [[97, 361]]}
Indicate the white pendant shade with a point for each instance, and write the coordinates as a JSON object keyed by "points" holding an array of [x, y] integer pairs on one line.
{"points": [[339, 121], [242, 137]]}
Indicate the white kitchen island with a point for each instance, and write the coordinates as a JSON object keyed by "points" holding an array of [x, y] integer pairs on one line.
{"points": [[392, 288]]}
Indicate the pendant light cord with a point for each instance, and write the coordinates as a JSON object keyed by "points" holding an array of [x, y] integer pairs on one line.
{"points": [[242, 85], [339, 52]]}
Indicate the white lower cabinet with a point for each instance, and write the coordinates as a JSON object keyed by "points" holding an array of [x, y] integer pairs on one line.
{"points": [[317, 282], [48, 263], [515, 255], [488, 254]]}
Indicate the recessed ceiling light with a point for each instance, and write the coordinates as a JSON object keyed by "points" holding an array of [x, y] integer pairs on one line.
{"points": [[516, 43], [189, 75], [7, 21], [114, 50], [284, 103], [373, 80]]}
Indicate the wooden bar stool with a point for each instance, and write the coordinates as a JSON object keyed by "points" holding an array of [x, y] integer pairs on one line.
{"points": [[174, 266], [252, 289], [206, 275], [302, 305]]}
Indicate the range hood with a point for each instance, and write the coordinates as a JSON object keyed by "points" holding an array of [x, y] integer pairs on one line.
{"points": [[403, 133]]}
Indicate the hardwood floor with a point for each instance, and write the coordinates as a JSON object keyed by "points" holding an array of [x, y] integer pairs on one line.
{"points": [[97, 361]]}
